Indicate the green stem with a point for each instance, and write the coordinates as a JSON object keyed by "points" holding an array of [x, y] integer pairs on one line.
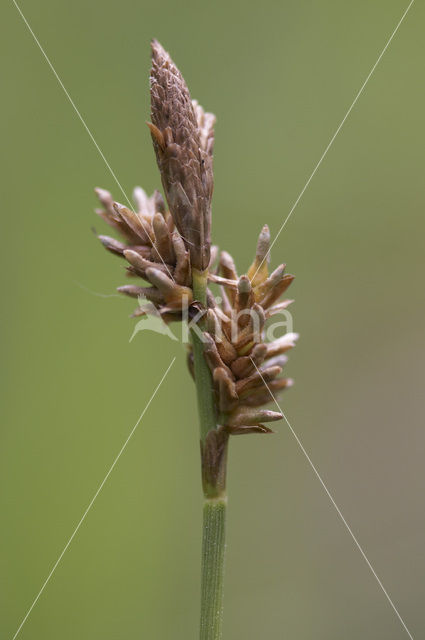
{"points": [[214, 455], [203, 379], [213, 548]]}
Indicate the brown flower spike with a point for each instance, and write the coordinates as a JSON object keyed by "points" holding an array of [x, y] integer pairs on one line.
{"points": [[183, 138], [166, 249]]}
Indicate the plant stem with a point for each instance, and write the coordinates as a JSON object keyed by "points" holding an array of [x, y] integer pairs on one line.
{"points": [[214, 456], [213, 548], [203, 379]]}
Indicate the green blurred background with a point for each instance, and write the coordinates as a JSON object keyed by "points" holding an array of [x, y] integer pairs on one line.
{"points": [[280, 76]]}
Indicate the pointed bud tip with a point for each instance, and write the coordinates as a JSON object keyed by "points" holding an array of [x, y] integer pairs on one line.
{"points": [[292, 336], [272, 416], [157, 274], [156, 48], [244, 284], [265, 232], [158, 219], [103, 195], [111, 243], [130, 255], [263, 244], [118, 207]]}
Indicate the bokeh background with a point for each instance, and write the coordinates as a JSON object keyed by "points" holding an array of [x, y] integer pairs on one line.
{"points": [[280, 76]]}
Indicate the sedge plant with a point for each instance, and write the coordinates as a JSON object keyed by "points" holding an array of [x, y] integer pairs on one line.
{"points": [[167, 244]]}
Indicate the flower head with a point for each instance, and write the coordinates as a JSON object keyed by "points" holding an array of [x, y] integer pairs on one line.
{"points": [[245, 367]]}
